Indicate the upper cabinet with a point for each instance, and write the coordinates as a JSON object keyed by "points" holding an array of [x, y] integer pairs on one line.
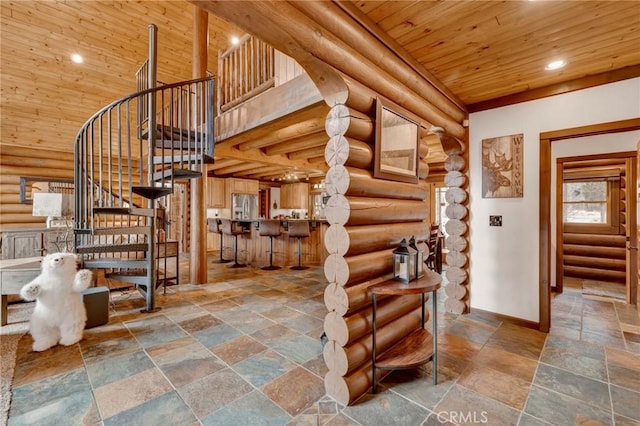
{"points": [[242, 186], [215, 193], [294, 196]]}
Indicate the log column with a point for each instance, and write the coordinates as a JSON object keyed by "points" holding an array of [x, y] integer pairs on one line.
{"points": [[456, 243], [198, 240], [367, 219]]}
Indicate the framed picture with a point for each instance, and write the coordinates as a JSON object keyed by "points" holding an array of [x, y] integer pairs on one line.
{"points": [[29, 185], [502, 167], [397, 138]]}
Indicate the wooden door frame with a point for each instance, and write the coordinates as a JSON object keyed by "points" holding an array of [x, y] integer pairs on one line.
{"points": [[629, 158], [546, 139]]}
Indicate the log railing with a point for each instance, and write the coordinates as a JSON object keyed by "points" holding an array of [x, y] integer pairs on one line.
{"points": [[244, 71]]}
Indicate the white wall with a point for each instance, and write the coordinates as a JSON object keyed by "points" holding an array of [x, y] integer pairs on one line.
{"points": [[504, 260]]}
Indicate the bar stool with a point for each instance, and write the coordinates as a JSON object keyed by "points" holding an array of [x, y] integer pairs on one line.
{"points": [[270, 228], [299, 229], [214, 226], [228, 228]]}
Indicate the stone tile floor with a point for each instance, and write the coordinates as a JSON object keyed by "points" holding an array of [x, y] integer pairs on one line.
{"points": [[245, 350]]}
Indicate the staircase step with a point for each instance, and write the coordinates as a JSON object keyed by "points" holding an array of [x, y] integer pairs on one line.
{"points": [[111, 248], [182, 132], [151, 192], [114, 262], [185, 145], [173, 132], [177, 173], [124, 211], [128, 230], [186, 158], [112, 210], [140, 211]]}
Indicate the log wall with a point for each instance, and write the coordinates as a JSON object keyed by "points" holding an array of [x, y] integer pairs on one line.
{"points": [[367, 219], [341, 57], [19, 161], [593, 254], [454, 172]]}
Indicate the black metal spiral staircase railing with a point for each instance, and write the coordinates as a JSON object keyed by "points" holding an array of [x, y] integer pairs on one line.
{"points": [[128, 156]]}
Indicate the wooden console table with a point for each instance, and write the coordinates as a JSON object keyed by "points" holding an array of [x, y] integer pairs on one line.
{"points": [[420, 346], [14, 273]]}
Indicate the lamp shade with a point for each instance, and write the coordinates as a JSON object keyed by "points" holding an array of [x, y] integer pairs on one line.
{"points": [[52, 204]]}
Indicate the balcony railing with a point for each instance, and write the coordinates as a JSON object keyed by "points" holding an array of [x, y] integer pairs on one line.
{"points": [[245, 71]]}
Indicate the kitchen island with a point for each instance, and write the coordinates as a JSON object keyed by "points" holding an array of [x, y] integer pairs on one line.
{"points": [[253, 248]]}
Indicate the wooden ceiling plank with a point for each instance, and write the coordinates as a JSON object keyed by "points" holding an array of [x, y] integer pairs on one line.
{"points": [[223, 162], [307, 153], [574, 35], [523, 67], [387, 9], [257, 155], [263, 170], [236, 168], [432, 19], [296, 144]]}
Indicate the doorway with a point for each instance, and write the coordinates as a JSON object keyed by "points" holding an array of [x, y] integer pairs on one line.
{"points": [[595, 217], [545, 203]]}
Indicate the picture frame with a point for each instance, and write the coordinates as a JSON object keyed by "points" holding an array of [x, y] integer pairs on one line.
{"points": [[396, 143], [29, 184], [502, 167]]}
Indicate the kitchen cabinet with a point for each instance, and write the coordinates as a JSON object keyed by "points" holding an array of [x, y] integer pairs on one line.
{"points": [[216, 193], [294, 196], [22, 243], [241, 186]]}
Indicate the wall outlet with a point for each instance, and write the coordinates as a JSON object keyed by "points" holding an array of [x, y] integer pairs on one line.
{"points": [[495, 220]]}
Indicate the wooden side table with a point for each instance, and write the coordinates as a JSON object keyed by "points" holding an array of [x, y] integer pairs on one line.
{"points": [[14, 273], [418, 347]]}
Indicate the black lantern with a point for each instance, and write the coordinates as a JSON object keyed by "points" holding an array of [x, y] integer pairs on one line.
{"points": [[419, 263], [404, 258]]}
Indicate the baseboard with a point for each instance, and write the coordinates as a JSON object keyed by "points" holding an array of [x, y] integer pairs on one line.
{"points": [[506, 318]]}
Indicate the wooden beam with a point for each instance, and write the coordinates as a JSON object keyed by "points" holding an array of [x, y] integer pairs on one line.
{"points": [[296, 130], [301, 142], [316, 151], [257, 155], [338, 17], [198, 240]]}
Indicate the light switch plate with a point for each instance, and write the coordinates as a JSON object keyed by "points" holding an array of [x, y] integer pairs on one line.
{"points": [[495, 220]]}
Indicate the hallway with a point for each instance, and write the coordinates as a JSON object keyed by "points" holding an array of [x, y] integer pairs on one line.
{"points": [[245, 350]]}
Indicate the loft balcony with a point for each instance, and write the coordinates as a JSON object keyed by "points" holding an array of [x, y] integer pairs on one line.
{"points": [[269, 112]]}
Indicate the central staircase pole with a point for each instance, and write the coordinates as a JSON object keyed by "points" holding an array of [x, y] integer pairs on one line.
{"points": [[198, 242], [151, 255]]}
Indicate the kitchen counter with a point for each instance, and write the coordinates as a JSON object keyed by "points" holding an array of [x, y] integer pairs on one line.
{"points": [[285, 248]]}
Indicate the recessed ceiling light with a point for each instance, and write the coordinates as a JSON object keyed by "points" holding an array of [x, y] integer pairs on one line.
{"points": [[77, 58], [555, 65], [235, 40]]}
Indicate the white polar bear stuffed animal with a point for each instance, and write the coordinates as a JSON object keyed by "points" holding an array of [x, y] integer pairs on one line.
{"points": [[59, 315]]}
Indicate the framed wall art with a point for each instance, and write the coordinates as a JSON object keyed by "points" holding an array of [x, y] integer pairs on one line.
{"points": [[502, 173], [397, 138]]}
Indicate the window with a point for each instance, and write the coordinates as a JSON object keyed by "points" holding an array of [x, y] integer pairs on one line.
{"points": [[441, 205], [585, 202], [590, 202]]}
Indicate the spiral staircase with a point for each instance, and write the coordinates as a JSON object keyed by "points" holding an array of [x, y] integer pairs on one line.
{"points": [[128, 157]]}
